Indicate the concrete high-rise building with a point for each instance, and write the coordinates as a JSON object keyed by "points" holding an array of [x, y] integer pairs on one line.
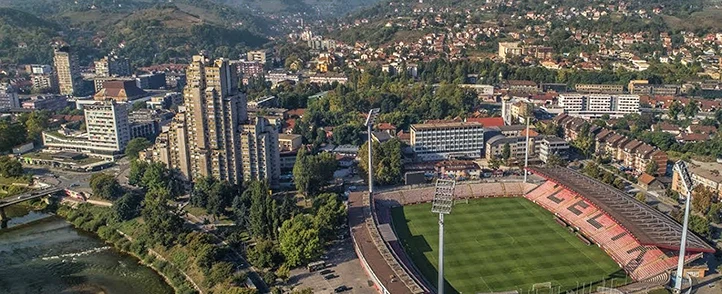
{"points": [[443, 140], [107, 125], [205, 136], [262, 56], [112, 66], [107, 134], [261, 154], [8, 96], [67, 70]]}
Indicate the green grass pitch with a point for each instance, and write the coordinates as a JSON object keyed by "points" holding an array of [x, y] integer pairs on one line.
{"points": [[501, 244]]}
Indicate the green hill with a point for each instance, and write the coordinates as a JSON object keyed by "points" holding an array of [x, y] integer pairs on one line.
{"points": [[24, 37], [145, 31]]}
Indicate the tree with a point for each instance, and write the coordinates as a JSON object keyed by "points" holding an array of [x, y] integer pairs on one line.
{"points": [[387, 165], [220, 272], [691, 109], [699, 225], [715, 213], [330, 214], [641, 197], [300, 241], [137, 169], [265, 254], [12, 134], [283, 272], [35, 123], [135, 146], [674, 109], [494, 163], [105, 186], [10, 168], [506, 151], [312, 172], [163, 224], [555, 160], [261, 212], [702, 199], [127, 207], [652, 168]]}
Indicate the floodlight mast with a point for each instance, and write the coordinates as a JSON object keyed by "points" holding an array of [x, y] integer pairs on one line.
{"points": [[442, 204], [681, 168], [370, 120]]}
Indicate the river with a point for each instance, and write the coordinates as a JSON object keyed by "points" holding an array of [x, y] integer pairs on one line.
{"points": [[40, 253]]}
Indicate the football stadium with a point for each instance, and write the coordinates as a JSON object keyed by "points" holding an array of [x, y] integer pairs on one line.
{"points": [[565, 233]]}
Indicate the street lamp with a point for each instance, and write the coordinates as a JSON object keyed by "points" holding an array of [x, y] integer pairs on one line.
{"points": [[681, 168], [442, 203], [370, 120]]}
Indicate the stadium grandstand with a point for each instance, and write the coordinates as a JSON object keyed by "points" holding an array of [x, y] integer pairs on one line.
{"points": [[463, 190], [642, 240]]}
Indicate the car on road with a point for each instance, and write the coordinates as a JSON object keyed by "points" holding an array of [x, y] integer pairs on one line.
{"points": [[74, 185], [342, 288], [326, 272], [328, 277]]}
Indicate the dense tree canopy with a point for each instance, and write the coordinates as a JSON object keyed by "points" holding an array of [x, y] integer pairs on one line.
{"points": [[105, 186]]}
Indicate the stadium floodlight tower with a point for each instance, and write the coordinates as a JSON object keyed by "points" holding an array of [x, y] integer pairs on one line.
{"points": [[370, 120], [442, 203], [680, 167]]}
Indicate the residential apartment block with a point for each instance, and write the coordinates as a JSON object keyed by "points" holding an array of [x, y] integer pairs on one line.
{"points": [[599, 88], [112, 66], [629, 152], [212, 134], [260, 149], [8, 96], [442, 140], [262, 56], [540, 147], [706, 174], [508, 50], [597, 105], [67, 70]]}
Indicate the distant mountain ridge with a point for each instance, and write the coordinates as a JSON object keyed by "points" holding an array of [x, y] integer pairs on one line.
{"points": [[145, 31]]}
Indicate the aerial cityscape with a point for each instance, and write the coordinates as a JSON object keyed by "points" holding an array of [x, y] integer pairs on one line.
{"points": [[361, 146]]}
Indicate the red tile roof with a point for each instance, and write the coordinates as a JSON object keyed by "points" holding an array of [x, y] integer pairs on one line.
{"points": [[488, 121]]}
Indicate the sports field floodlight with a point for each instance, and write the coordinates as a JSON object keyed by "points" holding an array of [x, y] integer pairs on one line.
{"points": [[370, 120], [680, 167], [442, 203]]}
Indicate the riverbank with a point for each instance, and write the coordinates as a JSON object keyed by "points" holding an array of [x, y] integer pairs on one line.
{"points": [[98, 226], [52, 256]]}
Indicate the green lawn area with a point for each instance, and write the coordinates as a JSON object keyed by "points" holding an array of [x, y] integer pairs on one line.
{"points": [[501, 244]]}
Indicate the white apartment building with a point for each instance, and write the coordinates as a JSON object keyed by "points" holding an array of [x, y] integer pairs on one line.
{"points": [[8, 96], [596, 105], [107, 132], [107, 125], [437, 141]]}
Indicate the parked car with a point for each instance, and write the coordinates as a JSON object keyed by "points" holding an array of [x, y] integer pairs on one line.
{"points": [[328, 277], [326, 272], [342, 288]]}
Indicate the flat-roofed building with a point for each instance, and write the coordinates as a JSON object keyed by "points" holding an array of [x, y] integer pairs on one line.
{"points": [[442, 140], [597, 105], [599, 88]]}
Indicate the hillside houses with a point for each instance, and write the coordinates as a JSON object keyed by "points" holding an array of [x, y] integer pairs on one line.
{"points": [[629, 152]]}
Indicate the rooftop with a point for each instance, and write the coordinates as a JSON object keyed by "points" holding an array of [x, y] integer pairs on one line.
{"points": [[646, 224], [446, 125]]}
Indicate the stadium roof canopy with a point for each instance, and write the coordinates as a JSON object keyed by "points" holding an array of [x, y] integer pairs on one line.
{"points": [[646, 224]]}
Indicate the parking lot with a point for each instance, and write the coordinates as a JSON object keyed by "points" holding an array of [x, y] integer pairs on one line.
{"points": [[346, 269]]}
